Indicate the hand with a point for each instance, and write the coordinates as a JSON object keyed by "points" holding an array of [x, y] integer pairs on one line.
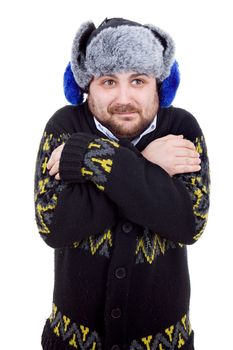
{"points": [[54, 160], [174, 154]]}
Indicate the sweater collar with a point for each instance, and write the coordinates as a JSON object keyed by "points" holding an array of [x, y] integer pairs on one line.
{"points": [[162, 121], [110, 135]]}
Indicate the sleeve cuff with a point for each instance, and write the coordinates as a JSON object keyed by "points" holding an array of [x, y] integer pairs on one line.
{"points": [[71, 160]]}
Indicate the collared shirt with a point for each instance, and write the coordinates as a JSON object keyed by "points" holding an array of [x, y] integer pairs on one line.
{"points": [[110, 135]]}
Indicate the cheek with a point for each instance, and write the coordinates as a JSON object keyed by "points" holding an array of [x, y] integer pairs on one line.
{"points": [[101, 101], [148, 105], [99, 106], [153, 102]]}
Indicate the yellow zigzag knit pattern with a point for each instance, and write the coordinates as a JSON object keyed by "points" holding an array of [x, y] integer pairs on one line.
{"points": [[148, 246], [97, 244], [78, 335], [46, 187], [173, 337], [98, 160], [198, 185]]}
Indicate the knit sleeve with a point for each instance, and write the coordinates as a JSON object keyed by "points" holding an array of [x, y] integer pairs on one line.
{"points": [[197, 183], [144, 192], [66, 212]]}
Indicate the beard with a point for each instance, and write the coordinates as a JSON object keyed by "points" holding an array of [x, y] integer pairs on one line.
{"points": [[123, 130], [123, 126]]}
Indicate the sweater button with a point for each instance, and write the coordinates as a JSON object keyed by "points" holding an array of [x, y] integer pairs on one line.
{"points": [[115, 347], [120, 272], [116, 313], [127, 227]]}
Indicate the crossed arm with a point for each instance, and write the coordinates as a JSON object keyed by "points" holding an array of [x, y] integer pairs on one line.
{"points": [[172, 153], [83, 182], [163, 188]]}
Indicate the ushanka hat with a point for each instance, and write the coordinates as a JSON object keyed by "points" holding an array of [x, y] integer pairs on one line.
{"points": [[116, 46]]}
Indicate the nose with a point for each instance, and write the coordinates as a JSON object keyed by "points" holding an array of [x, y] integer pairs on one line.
{"points": [[123, 94]]}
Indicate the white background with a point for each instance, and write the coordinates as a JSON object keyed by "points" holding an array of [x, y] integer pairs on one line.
{"points": [[36, 38]]}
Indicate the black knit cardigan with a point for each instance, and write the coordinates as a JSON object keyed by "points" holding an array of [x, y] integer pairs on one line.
{"points": [[119, 226]]}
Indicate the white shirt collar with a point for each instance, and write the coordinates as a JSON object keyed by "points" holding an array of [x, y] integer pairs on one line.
{"points": [[110, 135]]}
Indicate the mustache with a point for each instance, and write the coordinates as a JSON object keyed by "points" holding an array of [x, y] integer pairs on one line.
{"points": [[128, 108]]}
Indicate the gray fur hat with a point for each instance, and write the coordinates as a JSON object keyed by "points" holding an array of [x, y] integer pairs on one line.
{"points": [[120, 45]]}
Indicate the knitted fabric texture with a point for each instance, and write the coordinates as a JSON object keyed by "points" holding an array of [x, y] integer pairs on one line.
{"points": [[119, 226]]}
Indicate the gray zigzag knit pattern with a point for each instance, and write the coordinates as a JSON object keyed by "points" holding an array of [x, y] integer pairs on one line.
{"points": [[98, 160]]}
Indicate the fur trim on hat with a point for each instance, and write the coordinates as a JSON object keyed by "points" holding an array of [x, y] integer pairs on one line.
{"points": [[120, 45], [78, 64], [169, 51], [121, 49]]}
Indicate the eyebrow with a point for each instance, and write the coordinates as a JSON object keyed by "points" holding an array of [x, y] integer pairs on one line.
{"points": [[138, 74], [134, 75]]}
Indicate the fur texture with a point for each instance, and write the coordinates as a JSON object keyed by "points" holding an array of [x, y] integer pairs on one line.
{"points": [[169, 52], [143, 49], [121, 49], [73, 92], [169, 87], [78, 64]]}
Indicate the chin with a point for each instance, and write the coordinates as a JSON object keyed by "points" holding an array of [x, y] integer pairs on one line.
{"points": [[131, 133], [127, 135]]}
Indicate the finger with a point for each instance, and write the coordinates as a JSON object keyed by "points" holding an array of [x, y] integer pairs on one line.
{"points": [[186, 152], [180, 169], [51, 160], [49, 164], [55, 155], [183, 143], [57, 177], [54, 169], [171, 136], [187, 161]]}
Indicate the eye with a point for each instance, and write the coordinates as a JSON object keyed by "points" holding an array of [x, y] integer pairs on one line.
{"points": [[137, 82], [108, 82]]}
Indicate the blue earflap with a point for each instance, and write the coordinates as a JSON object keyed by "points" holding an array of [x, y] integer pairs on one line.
{"points": [[169, 87], [73, 92], [167, 91]]}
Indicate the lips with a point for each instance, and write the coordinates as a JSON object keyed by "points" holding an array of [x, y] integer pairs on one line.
{"points": [[125, 113]]}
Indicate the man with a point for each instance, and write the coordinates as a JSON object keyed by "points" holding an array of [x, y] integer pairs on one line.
{"points": [[121, 188]]}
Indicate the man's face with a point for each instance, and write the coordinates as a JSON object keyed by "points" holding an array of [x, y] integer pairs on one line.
{"points": [[125, 103]]}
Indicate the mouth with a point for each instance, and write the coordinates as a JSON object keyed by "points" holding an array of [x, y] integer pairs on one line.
{"points": [[126, 113]]}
